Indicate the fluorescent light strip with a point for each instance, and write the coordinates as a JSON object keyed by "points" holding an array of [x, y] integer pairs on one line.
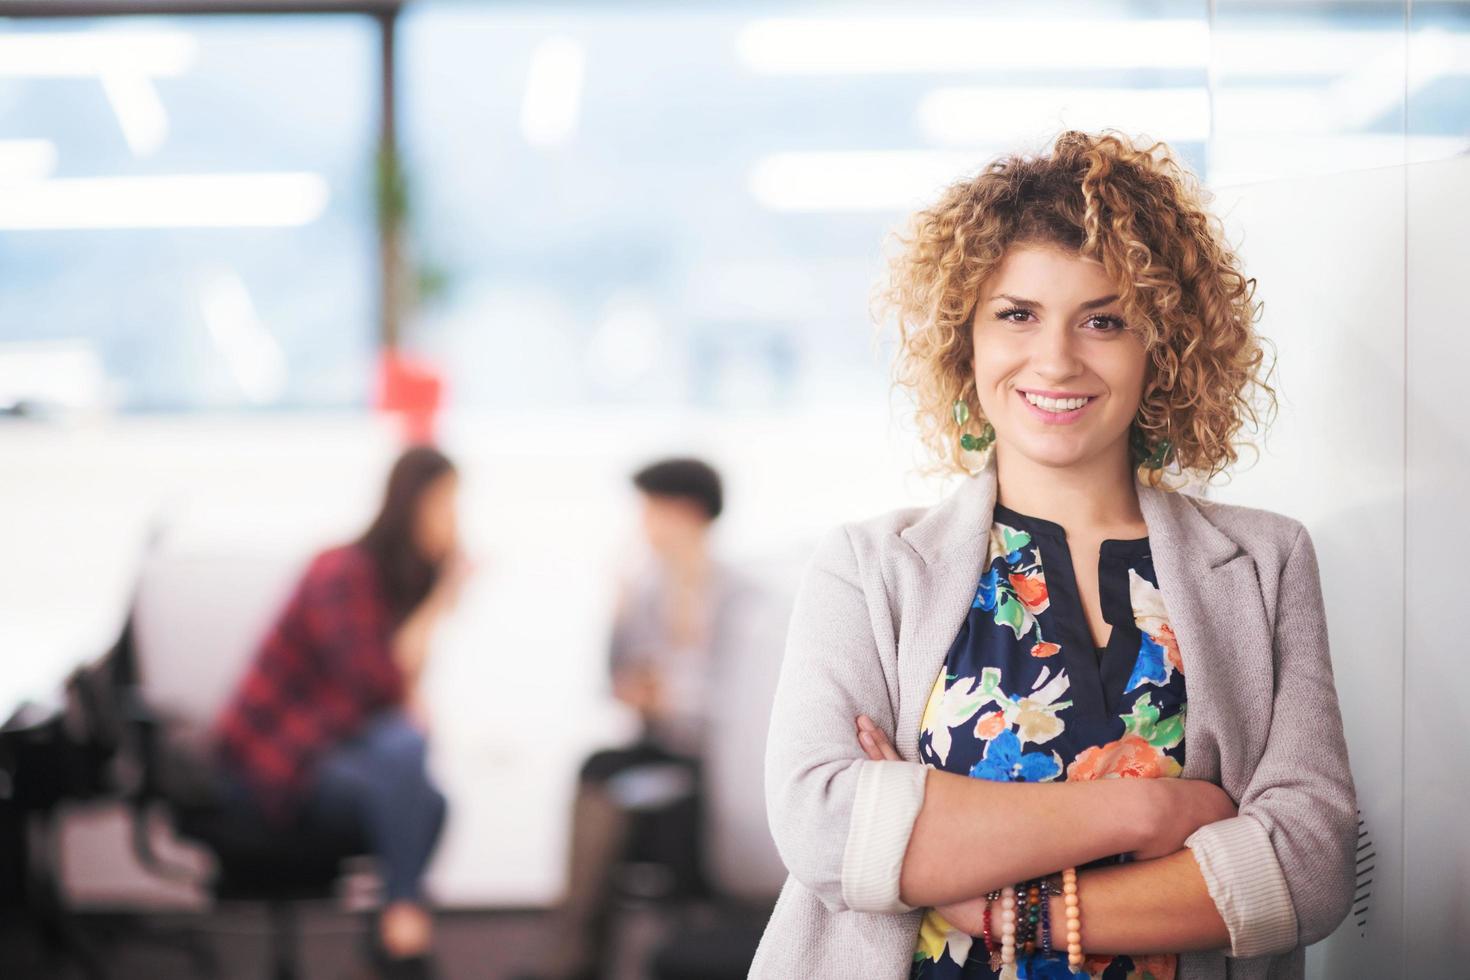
{"points": [[819, 46], [890, 180], [1248, 110], [181, 201], [26, 159], [139, 110], [987, 116], [864, 45], [1286, 53], [86, 55], [900, 180], [65, 373], [553, 100], [254, 356], [1249, 160]]}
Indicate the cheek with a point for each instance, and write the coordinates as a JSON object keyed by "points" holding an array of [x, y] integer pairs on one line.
{"points": [[989, 365], [1126, 393], [440, 524], [1125, 376]]}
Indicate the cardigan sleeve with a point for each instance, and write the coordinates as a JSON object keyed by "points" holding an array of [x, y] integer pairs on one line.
{"points": [[840, 821], [1281, 871]]}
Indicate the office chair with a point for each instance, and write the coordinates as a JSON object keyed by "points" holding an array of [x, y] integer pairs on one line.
{"points": [[160, 772]]}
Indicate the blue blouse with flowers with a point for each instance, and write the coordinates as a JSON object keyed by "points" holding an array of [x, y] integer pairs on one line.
{"points": [[1025, 696]]}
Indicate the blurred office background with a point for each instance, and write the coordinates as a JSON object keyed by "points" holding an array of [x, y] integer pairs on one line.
{"points": [[241, 252]]}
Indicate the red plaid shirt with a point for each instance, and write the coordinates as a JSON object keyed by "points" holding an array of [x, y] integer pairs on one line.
{"points": [[326, 667]]}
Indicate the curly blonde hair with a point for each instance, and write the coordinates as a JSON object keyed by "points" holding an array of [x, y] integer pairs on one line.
{"points": [[1145, 218]]}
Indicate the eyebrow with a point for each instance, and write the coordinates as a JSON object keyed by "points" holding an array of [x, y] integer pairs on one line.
{"points": [[1091, 304]]}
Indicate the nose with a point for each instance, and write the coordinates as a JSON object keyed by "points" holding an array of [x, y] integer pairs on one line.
{"points": [[1054, 356]]}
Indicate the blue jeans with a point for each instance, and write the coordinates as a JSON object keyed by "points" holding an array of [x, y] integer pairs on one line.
{"points": [[376, 785]]}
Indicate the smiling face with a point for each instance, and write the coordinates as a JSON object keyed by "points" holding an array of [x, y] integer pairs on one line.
{"points": [[1056, 372]]}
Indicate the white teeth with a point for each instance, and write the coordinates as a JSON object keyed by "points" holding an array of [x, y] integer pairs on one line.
{"points": [[1055, 404]]}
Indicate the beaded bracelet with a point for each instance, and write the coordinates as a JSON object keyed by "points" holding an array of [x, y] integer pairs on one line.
{"points": [[1007, 927], [1023, 920], [1073, 905], [1046, 893], [1033, 913], [990, 897]]}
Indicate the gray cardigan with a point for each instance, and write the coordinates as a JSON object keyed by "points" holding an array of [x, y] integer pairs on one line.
{"points": [[878, 607]]}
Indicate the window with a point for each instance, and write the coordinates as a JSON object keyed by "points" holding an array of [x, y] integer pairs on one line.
{"points": [[186, 215]]}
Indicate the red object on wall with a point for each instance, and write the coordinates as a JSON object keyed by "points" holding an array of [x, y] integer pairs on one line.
{"points": [[413, 389]]}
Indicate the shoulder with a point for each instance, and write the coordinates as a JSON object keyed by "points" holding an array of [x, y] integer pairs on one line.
{"points": [[1257, 530], [861, 549], [1279, 544], [884, 532], [348, 563]]}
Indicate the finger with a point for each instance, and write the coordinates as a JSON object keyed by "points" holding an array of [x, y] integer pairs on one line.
{"points": [[880, 743], [889, 752], [866, 723], [870, 747]]}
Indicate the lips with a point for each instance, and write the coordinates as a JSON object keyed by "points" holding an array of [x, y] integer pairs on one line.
{"points": [[1056, 415]]}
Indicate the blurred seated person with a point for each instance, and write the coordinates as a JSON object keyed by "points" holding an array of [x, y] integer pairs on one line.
{"points": [[643, 802], [326, 731]]}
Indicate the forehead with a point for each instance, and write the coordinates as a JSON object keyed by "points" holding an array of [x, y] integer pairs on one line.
{"points": [[1043, 271], [443, 484], [665, 504]]}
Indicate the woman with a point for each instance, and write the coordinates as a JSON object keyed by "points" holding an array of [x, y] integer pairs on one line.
{"points": [[325, 732], [962, 683]]}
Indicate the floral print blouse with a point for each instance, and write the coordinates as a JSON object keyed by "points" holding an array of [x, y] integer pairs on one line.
{"points": [[1025, 696]]}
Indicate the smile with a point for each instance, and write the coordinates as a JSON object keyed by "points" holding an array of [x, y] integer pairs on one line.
{"points": [[1056, 410]]}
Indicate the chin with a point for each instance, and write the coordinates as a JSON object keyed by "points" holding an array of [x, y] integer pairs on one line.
{"points": [[1060, 457]]}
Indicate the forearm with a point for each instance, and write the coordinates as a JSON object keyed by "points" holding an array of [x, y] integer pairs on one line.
{"points": [[1035, 827], [411, 644], [1141, 907], [1138, 908]]}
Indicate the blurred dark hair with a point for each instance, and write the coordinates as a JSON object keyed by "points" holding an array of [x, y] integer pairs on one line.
{"points": [[407, 575], [683, 478]]}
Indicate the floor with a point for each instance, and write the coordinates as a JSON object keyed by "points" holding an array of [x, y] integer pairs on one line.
{"points": [[478, 945]]}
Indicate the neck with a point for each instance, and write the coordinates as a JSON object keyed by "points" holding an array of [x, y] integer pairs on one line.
{"points": [[689, 558], [1101, 492]]}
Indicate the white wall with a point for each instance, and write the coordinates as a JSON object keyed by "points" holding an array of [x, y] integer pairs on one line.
{"points": [[1328, 255], [1361, 274], [1435, 768]]}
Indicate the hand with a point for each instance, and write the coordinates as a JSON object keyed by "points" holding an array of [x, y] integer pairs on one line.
{"points": [[416, 708], [640, 688], [875, 742], [1182, 806], [969, 917], [456, 569]]}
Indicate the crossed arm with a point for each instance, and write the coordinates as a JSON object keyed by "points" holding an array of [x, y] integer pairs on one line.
{"points": [[1158, 905], [1279, 873]]}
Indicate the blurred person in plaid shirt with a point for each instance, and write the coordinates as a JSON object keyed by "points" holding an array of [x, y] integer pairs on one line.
{"points": [[326, 731]]}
